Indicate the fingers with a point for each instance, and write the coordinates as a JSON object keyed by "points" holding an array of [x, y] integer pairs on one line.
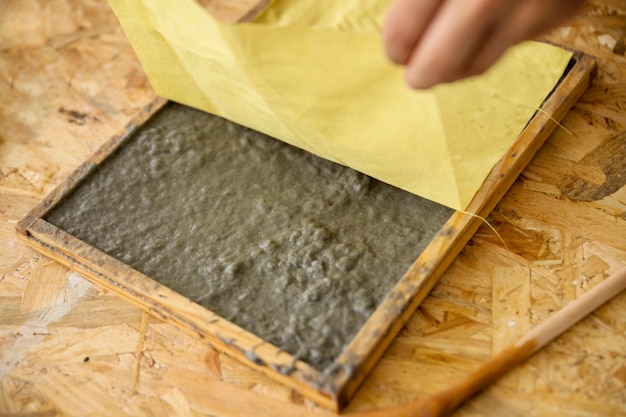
{"points": [[494, 46], [455, 35], [445, 40], [406, 21], [526, 21]]}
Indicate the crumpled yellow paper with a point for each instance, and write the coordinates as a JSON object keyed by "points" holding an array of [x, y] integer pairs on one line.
{"points": [[312, 73]]}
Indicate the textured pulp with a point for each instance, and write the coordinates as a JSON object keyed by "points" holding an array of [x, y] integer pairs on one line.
{"points": [[295, 249]]}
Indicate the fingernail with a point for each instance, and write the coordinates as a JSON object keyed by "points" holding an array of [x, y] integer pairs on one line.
{"points": [[418, 80], [395, 52]]}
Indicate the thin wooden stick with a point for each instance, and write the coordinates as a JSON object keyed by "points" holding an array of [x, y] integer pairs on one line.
{"points": [[444, 402]]}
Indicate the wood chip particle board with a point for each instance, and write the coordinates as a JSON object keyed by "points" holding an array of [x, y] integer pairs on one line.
{"points": [[330, 384]]}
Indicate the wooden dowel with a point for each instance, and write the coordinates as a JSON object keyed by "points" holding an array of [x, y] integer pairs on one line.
{"points": [[444, 402]]}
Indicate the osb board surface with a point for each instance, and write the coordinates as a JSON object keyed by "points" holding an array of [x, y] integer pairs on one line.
{"points": [[69, 80], [332, 387]]}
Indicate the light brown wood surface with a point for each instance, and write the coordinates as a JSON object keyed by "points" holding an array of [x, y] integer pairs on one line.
{"points": [[333, 387], [69, 80], [444, 402]]}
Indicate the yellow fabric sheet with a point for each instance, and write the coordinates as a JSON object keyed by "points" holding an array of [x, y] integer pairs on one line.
{"points": [[312, 73]]}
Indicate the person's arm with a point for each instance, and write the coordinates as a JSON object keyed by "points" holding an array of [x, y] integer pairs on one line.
{"points": [[445, 40]]}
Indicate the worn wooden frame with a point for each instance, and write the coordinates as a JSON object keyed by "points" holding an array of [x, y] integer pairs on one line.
{"points": [[333, 387]]}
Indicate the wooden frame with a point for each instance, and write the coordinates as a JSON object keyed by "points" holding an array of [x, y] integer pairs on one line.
{"points": [[335, 386]]}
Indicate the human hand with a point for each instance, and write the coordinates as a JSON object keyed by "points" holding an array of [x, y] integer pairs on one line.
{"points": [[446, 40]]}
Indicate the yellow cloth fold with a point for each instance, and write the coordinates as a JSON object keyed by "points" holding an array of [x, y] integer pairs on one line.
{"points": [[312, 73]]}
